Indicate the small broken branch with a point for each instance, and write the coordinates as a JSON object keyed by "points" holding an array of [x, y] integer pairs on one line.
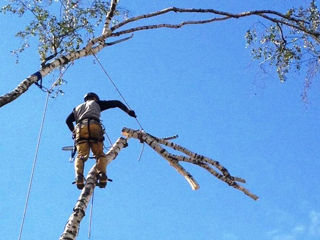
{"points": [[170, 138], [194, 158], [118, 41]]}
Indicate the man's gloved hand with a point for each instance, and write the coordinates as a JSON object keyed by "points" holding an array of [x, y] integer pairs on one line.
{"points": [[132, 113]]}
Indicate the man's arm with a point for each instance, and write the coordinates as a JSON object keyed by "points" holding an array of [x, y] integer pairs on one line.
{"points": [[104, 105], [69, 121]]}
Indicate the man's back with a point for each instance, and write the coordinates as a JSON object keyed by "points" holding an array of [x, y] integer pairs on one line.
{"points": [[88, 109]]}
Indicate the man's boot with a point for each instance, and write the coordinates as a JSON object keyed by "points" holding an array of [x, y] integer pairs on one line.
{"points": [[80, 181], [102, 180]]}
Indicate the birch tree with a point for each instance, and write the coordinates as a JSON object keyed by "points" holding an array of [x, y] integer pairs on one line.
{"points": [[158, 145], [68, 30]]}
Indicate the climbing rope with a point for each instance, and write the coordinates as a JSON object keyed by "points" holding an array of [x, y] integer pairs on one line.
{"points": [[49, 91], [34, 165], [109, 139], [117, 89], [124, 100], [115, 86], [90, 217]]}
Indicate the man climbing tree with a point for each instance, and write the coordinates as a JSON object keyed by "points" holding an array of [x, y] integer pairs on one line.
{"points": [[88, 134], [84, 28]]}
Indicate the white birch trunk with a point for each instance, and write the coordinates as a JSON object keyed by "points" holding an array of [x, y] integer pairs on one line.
{"points": [[93, 47], [61, 61], [72, 227]]}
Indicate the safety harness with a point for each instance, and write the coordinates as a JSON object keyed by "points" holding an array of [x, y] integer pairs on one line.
{"points": [[89, 138]]}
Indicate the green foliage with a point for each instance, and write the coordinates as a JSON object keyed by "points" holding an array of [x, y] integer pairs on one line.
{"points": [[289, 42], [59, 25]]}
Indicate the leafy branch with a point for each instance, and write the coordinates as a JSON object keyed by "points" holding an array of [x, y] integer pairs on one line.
{"points": [[289, 39]]}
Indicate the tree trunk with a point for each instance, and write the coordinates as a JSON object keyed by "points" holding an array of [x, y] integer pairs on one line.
{"points": [[72, 227]]}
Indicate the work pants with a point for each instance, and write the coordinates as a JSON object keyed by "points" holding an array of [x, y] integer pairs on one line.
{"points": [[89, 137]]}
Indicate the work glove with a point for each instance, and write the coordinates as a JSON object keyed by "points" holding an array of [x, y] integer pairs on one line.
{"points": [[132, 113]]}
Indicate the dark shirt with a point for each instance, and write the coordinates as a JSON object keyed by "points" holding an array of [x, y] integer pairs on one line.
{"points": [[104, 105]]}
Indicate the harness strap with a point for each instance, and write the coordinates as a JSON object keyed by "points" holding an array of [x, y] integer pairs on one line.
{"points": [[90, 138], [89, 119], [88, 126], [81, 140]]}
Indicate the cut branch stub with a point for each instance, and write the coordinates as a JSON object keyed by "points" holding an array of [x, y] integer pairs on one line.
{"points": [[194, 158]]}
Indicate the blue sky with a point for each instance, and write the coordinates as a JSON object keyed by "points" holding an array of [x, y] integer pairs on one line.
{"points": [[198, 82]]}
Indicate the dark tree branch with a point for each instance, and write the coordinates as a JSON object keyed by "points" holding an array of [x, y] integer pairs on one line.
{"points": [[291, 21], [118, 41], [164, 25], [212, 11], [281, 34], [313, 34]]}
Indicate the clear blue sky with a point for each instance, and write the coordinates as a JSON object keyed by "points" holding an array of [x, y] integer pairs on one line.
{"points": [[198, 82]]}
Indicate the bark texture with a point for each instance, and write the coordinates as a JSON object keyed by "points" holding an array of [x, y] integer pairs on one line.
{"points": [[208, 164], [134, 24], [72, 227]]}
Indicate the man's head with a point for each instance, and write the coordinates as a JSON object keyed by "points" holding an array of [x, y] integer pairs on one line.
{"points": [[91, 96]]}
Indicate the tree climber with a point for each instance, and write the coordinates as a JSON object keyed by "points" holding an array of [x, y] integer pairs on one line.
{"points": [[88, 134]]}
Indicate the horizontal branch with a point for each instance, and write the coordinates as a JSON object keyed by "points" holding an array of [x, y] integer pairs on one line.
{"points": [[270, 15], [194, 158], [198, 10], [46, 69], [26, 83], [118, 41], [165, 25]]}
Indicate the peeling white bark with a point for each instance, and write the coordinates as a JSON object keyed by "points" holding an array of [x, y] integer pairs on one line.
{"points": [[26, 83], [72, 227], [109, 16], [73, 224], [191, 157], [93, 47]]}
